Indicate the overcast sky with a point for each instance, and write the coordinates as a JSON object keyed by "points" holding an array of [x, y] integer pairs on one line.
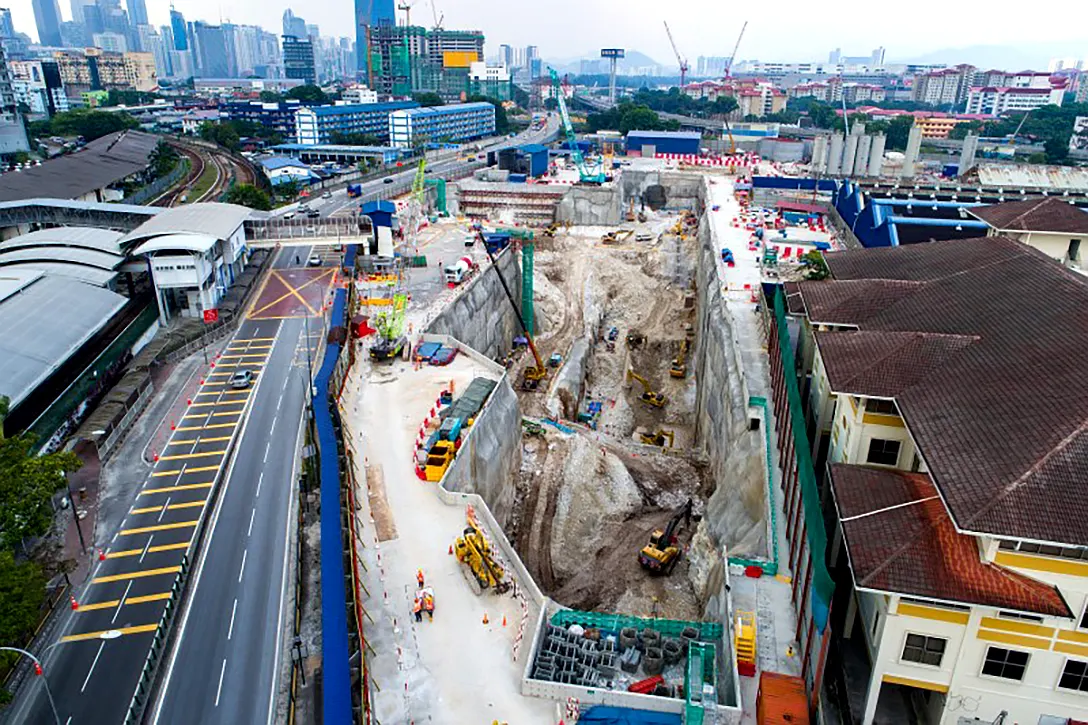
{"points": [[792, 31]]}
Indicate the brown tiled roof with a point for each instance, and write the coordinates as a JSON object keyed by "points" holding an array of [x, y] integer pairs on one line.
{"points": [[795, 304], [1002, 422], [851, 302], [883, 364], [1049, 214], [900, 540]]}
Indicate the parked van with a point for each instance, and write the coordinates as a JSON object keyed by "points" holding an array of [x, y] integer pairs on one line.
{"points": [[644, 237]]}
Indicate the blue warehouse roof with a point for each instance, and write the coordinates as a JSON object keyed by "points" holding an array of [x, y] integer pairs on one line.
{"points": [[534, 148], [686, 135], [443, 110], [280, 162], [363, 108], [336, 148]]}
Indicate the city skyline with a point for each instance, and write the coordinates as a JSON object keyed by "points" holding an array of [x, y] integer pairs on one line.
{"points": [[1032, 39]]}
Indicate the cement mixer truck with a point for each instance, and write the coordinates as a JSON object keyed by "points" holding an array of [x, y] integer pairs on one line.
{"points": [[459, 271]]}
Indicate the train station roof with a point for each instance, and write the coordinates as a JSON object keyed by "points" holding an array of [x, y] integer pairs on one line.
{"points": [[211, 219], [37, 340]]}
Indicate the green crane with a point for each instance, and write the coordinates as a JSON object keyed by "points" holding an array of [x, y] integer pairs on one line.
{"points": [[585, 175]]}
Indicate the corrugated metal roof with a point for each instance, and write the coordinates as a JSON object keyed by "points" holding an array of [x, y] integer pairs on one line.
{"points": [[445, 110], [1065, 178], [103, 240], [689, 135], [97, 165], [213, 219], [361, 108], [175, 242], [280, 162], [45, 318], [71, 255], [81, 272]]}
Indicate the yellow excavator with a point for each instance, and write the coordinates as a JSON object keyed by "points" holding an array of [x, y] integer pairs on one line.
{"points": [[649, 396], [533, 374], [679, 367], [661, 554], [656, 439], [474, 551]]}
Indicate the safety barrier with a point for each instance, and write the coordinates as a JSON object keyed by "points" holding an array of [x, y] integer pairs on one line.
{"points": [[615, 622], [336, 675], [160, 185]]}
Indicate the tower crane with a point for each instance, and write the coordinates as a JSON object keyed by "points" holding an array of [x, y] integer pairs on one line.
{"points": [[728, 73], [437, 18], [679, 58], [407, 8]]}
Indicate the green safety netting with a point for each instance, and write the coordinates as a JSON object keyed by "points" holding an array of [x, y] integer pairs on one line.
{"points": [[615, 622], [822, 585]]}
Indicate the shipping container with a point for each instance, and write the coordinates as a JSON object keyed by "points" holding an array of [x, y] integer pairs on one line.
{"points": [[781, 700]]}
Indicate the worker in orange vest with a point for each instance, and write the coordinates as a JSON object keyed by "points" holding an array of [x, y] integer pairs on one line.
{"points": [[419, 577], [428, 603], [417, 608]]}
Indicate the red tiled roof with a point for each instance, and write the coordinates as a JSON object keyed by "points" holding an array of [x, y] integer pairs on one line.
{"points": [[1048, 214], [900, 539], [1002, 422], [883, 364]]}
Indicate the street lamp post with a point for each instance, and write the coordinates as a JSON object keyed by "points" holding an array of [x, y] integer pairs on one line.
{"points": [[38, 669], [75, 514]]}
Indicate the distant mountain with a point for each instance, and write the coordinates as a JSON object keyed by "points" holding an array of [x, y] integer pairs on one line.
{"points": [[632, 59], [1025, 56]]}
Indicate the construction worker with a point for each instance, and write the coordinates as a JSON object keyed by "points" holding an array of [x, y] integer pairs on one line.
{"points": [[417, 607], [428, 603], [419, 577]]}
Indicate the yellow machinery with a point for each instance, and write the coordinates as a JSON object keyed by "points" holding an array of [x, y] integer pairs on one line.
{"points": [[551, 229], [679, 367], [474, 551], [438, 460], [616, 237], [656, 439], [744, 639], [661, 554], [649, 396]]}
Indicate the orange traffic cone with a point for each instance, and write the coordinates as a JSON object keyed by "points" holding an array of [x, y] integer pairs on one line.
{"points": [[101, 555], [504, 620], [75, 606], [451, 549], [485, 613]]}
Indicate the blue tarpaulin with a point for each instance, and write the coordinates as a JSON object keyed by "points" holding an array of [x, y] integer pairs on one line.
{"points": [[608, 715]]}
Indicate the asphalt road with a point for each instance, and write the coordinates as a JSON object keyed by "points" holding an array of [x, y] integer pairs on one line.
{"points": [[376, 188], [94, 669]]}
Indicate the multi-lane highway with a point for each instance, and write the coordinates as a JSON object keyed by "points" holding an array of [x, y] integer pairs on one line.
{"points": [[231, 616]]}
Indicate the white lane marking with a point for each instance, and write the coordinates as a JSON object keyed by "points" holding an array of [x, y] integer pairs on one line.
{"points": [[260, 480], [201, 559], [243, 569], [267, 446], [88, 679], [164, 507], [252, 515], [230, 630], [121, 603], [68, 721], [274, 419], [146, 547], [219, 690]]}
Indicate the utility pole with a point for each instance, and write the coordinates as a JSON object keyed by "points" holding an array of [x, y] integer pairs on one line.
{"points": [[75, 514], [38, 671]]}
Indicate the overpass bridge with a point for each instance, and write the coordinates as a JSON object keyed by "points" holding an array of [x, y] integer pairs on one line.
{"points": [[332, 231]]}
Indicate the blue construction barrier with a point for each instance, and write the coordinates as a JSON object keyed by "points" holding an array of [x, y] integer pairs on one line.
{"points": [[791, 183], [336, 675], [609, 715]]}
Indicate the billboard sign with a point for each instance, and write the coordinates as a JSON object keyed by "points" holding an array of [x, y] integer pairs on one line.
{"points": [[612, 53]]}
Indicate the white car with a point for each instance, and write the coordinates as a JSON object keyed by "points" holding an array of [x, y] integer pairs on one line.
{"points": [[327, 195], [313, 261], [289, 215]]}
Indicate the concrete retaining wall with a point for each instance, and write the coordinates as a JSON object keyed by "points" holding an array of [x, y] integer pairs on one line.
{"points": [[736, 513], [683, 189], [591, 205], [481, 317]]}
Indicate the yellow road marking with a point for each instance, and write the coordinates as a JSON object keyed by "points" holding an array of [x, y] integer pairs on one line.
{"points": [[171, 507], [224, 392], [218, 439], [213, 403], [291, 290], [123, 630], [171, 489], [98, 605], [256, 339], [205, 415], [199, 469], [181, 456], [158, 527], [150, 550], [247, 346], [241, 355], [142, 573], [131, 600], [208, 427]]}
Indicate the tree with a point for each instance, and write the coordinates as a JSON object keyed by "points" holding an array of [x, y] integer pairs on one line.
{"points": [[270, 97], [429, 99], [130, 98], [960, 130], [249, 195], [502, 123], [551, 104], [22, 590], [90, 123], [898, 131], [1056, 149], [220, 133], [815, 266], [287, 189], [27, 485], [308, 94], [163, 160]]}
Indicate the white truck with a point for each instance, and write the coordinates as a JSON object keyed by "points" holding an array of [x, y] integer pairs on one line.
{"points": [[459, 271]]}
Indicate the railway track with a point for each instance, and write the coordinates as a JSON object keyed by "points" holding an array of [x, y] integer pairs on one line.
{"points": [[226, 170]]}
